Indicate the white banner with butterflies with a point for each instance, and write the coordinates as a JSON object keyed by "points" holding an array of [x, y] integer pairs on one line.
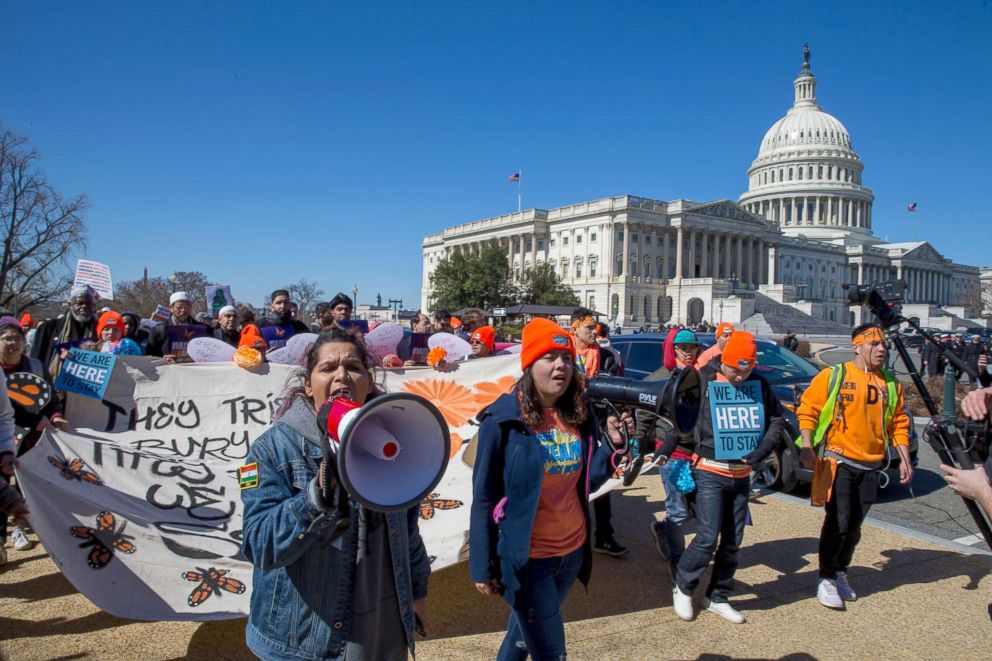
{"points": [[139, 504]]}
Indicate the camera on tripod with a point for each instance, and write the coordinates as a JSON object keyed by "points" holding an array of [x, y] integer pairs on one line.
{"points": [[884, 298]]}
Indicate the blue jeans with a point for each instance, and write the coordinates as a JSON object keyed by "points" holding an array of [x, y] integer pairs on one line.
{"points": [[677, 511], [536, 624], [721, 507]]}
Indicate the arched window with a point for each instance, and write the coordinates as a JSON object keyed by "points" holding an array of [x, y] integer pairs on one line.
{"points": [[615, 306], [809, 172], [800, 173], [790, 174], [647, 268], [592, 267], [564, 269], [773, 176], [578, 267]]}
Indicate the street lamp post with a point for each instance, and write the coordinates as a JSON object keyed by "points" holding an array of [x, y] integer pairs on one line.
{"points": [[720, 305], [733, 282], [801, 286], [396, 303], [173, 282], [354, 297]]}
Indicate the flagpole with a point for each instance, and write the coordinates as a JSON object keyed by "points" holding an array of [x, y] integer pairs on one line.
{"points": [[520, 204]]}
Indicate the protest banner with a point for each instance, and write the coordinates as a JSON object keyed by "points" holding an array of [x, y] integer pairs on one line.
{"points": [[419, 348], [738, 416], [86, 373], [142, 496], [178, 337], [361, 324], [217, 297], [97, 276], [276, 336]]}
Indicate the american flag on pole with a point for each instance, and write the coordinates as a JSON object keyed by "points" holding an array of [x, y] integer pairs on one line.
{"points": [[514, 178], [911, 207]]}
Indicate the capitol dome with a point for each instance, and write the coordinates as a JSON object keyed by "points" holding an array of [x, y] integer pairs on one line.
{"points": [[807, 177]]}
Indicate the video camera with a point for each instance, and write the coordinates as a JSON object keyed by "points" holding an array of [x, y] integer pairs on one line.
{"points": [[883, 298]]}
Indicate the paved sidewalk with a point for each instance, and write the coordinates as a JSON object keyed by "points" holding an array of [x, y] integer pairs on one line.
{"points": [[918, 600]]}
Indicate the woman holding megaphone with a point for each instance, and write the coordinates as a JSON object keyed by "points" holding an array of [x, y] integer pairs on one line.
{"points": [[320, 592], [540, 454]]}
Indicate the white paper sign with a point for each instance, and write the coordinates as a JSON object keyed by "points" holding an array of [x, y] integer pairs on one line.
{"points": [[97, 276]]}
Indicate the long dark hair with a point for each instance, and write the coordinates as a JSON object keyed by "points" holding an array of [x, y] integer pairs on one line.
{"points": [[295, 385], [571, 405]]}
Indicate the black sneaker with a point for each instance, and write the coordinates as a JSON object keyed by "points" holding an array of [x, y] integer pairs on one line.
{"points": [[660, 540], [610, 547]]}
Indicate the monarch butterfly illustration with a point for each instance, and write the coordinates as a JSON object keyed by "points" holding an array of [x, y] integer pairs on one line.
{"points": [[432, 503], [211, 580], [104, 539], [76, 469], [28, 391]]}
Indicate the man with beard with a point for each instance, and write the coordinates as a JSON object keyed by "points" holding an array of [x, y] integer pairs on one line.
{"points": [[279, 325], [227, 326], [169, 339], [66, 331]]}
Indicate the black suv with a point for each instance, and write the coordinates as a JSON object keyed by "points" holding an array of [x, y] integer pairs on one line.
{"points": [[789, 375]]}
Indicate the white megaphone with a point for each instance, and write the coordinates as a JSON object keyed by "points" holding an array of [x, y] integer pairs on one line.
{"points": [[391, 452]]}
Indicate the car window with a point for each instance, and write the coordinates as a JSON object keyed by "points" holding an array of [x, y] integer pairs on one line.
{"points": [[644, 356], [779, 365]]}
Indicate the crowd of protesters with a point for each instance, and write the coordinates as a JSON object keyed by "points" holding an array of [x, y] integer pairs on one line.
{"points": [[532, 534]]}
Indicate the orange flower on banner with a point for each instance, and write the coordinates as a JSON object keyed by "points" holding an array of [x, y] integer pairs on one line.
{"points": [[436, 355], [488, 392], [454, 401], [456, 445]]}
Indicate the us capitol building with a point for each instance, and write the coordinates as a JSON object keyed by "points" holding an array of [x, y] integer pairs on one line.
{"points": [[776, 258]]}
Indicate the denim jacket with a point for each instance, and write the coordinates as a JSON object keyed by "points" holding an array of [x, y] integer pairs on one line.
{"points": [[510, 464], [303, 581]]}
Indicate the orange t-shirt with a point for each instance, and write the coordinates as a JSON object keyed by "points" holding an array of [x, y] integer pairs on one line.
{"points": [[560, 524]]}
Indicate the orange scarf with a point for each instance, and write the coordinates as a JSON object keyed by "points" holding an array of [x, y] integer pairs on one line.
{"points": [[590, 359]]}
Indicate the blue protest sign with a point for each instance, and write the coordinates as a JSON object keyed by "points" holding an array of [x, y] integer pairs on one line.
{"points": [[86, 373], [738, 416], [277, 336], [361, 324]]}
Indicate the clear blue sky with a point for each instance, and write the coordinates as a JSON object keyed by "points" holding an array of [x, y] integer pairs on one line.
{"points": [[262, 142]]}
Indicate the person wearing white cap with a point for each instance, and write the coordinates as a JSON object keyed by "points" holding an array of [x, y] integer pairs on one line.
{"points": [[169, 339], [227, 326], [79, 324]]}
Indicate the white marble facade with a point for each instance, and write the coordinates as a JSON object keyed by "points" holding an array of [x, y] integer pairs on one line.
{"points": [[801, 230]]}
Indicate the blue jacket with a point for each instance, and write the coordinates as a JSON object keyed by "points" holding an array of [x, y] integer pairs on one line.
{"points": [[509, 463], [302, 585]]}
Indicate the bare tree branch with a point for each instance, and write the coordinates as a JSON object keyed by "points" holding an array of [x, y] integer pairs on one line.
{"points": [[42, 231]]}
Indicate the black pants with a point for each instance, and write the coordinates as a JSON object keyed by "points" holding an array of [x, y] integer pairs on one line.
{"points": [[854, 492], [603, 512]]}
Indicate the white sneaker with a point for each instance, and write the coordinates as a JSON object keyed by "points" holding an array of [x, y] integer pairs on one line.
{"points": [[20, 539], [844, 588], [724, 610], [826, 592], [683, 604]]}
